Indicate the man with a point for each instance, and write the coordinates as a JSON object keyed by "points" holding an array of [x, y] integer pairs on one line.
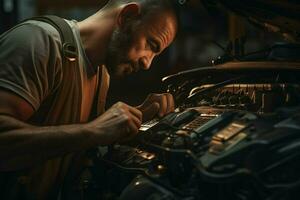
{"points": [[46, 102]]}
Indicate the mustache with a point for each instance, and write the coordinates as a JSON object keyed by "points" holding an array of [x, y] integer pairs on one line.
{"points": [[135, 65]]}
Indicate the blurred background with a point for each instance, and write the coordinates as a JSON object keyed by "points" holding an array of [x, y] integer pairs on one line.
{"points": [[204, 36]]}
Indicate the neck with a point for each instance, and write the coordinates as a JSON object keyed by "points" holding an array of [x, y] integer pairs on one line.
{"points": [[95, 33]]}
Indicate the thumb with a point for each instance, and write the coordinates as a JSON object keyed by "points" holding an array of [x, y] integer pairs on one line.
{"points": [[150, 111]]}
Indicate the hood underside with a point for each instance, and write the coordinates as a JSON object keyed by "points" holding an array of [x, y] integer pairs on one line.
{"points": [[274, 15]]}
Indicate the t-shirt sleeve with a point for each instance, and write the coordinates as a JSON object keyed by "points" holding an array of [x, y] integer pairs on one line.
{"points": [[30, 63]]}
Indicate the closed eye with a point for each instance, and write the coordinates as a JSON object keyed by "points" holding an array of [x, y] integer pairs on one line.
{"points": [[154, 45]]}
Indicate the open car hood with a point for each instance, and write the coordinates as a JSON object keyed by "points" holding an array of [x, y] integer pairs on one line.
{"points": [[275, 15]]}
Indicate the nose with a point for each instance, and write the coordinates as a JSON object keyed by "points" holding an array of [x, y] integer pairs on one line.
{"points": [[146, 60]]}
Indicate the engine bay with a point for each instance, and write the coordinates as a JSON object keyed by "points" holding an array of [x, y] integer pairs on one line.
{"points": [[234, 135]]}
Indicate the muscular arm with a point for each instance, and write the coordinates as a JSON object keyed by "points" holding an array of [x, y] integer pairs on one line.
{"points": [[29, 72], [23, 145]]}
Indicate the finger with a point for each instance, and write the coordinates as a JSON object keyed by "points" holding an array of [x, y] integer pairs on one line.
{"points": [[149, 99], [150, 111], [132, 129], [171, 104], [163, 104], [137, 113], [130, 134], [135, 120], [147, 102], [134, 111], [129, 131], [128, 126]]}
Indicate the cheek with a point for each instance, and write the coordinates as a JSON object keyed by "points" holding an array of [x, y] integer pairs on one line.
{"points": [[136, 50], [132, 53]]}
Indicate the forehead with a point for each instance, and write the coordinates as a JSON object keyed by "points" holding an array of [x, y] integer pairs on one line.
{"points": [[162, 26]]}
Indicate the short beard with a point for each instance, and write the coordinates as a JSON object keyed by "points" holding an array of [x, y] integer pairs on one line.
{"points": [[117, 52]]}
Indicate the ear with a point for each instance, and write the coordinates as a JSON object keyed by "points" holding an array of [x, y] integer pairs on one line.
{"points": [[129, 11]]}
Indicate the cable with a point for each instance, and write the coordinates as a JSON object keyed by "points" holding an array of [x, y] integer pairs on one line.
{"points": [[216, 86]]}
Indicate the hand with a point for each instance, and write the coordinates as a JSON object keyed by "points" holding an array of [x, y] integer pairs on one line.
{"points": [[118, 124], [157, 104]]}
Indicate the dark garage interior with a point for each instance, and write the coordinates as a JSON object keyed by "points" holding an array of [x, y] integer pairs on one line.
{"points": [[233, 71]]}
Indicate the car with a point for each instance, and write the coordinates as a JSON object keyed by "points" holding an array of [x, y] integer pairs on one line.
{"points": [[235, 133]]}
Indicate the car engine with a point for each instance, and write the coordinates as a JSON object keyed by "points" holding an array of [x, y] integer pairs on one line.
{"points": [[234, 135]]}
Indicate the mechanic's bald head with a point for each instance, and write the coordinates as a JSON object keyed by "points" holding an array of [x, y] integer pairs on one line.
{"points": [[136, 31]]}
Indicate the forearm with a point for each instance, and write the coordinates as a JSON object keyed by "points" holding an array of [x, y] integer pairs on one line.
{"points": [[22, 145]]}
